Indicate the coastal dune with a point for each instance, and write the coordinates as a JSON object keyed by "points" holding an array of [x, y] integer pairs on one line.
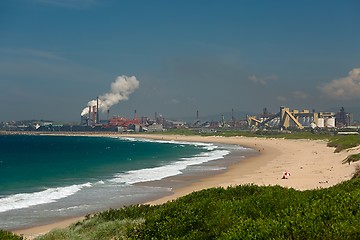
{"points": [[311, 165]]}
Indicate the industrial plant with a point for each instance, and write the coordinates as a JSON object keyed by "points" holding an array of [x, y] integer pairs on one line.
{"points": [[284, 119], [287, 118], [123, 86]]}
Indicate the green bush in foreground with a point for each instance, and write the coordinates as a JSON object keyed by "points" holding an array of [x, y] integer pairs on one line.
{"points": [[95, 229], [9, 236], [241, 212]]}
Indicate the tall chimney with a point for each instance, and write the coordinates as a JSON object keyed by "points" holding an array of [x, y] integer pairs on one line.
{"points": [[97, 110], [89, 119], [94, 115], [197, 115]]}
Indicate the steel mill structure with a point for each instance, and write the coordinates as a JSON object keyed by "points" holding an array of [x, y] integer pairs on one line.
{"points": [[287, 118]]}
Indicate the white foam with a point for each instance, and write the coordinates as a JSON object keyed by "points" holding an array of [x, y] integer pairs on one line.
{"points": [[175, 168], [69, 208], [24, 200], [205, 145]]}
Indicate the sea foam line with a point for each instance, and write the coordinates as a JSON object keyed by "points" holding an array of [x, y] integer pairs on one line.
{"points": [[175, 168], [208, 146], [24, 200]]}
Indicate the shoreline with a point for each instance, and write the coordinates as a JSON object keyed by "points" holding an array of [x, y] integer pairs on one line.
{"points": [[311, 163]]}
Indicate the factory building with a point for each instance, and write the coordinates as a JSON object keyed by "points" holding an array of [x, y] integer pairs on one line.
{"points": [[287, 118], [121, 121], [343, 119], [91, 118]]}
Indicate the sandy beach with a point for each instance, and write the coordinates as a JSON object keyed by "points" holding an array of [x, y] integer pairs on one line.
{"points": [[311, 165]]}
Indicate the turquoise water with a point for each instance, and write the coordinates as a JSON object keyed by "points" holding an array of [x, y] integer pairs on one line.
{"points": [[29, 163], [50, 177]]}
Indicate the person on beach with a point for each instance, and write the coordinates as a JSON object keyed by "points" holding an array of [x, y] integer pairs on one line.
{"points": [[286, 174]]}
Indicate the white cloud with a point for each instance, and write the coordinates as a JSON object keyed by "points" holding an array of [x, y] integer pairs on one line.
{"points": [[346, 88], [300, 95], [281, 98], [262, 80]]}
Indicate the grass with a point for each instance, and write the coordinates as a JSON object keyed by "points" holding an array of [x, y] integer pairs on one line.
{"points": [[241, 212], [352, 158], [344, 142], [95, 228], [9, 236]]}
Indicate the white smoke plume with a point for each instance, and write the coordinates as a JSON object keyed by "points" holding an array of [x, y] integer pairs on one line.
{"points": [[121, 88]]}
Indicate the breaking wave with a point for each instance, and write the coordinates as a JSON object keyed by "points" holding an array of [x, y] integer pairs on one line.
{"points": [[24, 200], [175, 168]]}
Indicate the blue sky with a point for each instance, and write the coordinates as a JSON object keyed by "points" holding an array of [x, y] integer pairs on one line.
{"points": [[206, 55]]}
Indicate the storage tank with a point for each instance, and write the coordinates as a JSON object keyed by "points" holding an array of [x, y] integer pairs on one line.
{"points": [[330, 123], [320, 122]]}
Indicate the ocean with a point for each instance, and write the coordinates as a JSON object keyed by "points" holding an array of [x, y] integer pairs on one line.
{"points": [[48, 178]]}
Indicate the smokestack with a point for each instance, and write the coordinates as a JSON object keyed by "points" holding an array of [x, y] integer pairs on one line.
{"points": [[135, 116], [89, 119], [97, 110], [94, 115], [197, 115], [108, 113]]}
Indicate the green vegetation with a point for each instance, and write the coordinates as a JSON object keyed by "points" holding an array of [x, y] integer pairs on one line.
{"points": [[344, 142], [9, 236], [275, 134], [95, 228], [242, 212], [352, 158], [357, 172]]}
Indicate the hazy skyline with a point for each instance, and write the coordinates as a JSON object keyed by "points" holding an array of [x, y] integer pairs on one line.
{"points": [[206, 55]]}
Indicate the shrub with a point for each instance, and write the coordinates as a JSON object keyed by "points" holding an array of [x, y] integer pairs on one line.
{"points": [[352, 158], [9, 236], [94, 228], [357, 172]]}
